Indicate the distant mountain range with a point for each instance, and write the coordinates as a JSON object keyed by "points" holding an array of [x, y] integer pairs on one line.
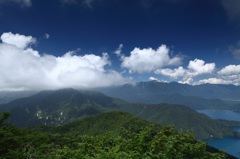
{"points": [[206, 96], [62, 106]]}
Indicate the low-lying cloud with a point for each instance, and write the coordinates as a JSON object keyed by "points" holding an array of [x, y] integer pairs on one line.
{"points": [[23, 68]]}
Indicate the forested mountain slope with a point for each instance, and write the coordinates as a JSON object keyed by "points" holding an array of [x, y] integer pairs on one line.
{"points": [[62, 106], [124, 136]]}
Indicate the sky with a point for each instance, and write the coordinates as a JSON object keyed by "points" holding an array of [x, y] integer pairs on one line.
{"points": [[51, 44]]}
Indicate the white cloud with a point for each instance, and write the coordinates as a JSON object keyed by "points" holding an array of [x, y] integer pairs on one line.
{"points": [[21, 67], [173, 73], [198, 67], [24, 3], [18, 40], [149, 60], [186, 81], [156, 80], [118, 52], [195, 68], [214, 81], [230, 70], [153, 79], [228, 75]]}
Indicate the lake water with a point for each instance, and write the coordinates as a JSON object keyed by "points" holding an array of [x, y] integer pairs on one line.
{"points": [[228, 144]]}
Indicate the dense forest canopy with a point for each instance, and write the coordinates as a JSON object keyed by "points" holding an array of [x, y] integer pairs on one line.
{"points": [[135, 139]]}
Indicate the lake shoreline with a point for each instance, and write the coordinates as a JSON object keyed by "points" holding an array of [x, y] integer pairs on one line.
{"points": [[229, 144]]}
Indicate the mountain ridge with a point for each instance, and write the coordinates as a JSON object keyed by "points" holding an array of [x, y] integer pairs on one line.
{"points": [[59, 107], [206, 96]]}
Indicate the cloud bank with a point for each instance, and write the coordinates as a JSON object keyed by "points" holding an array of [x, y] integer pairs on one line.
{"points": [[23, 68]]}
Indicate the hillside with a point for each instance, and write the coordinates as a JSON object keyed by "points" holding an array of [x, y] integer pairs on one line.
{"points": [[56, 107], [129, 137], [182, 118], [62, 106]]}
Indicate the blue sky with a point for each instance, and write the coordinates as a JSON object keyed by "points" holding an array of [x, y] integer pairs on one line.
{"points": [[96, 43]]}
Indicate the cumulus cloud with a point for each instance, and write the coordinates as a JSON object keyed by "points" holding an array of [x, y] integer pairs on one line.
{"points": [[194, 68], [232, 8], [198, 67], [21, 67], [230, 70], [18, 40], [228, 75], [24, 3], [149, 60], [173, 73]]}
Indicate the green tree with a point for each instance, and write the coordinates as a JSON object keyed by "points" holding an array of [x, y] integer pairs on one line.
{"points": [[3, 117]]}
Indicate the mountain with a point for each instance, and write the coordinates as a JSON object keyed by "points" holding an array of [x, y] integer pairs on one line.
{"points": [[206, 96], [62, 106], [113, 122], [182, 118], [56, 107]]}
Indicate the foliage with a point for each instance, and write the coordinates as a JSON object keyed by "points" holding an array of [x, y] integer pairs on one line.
{"points": [[3, 117], [62, 106], [147, 142]]}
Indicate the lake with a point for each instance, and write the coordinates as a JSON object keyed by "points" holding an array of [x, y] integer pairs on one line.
{"points": [[228, 144]]}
